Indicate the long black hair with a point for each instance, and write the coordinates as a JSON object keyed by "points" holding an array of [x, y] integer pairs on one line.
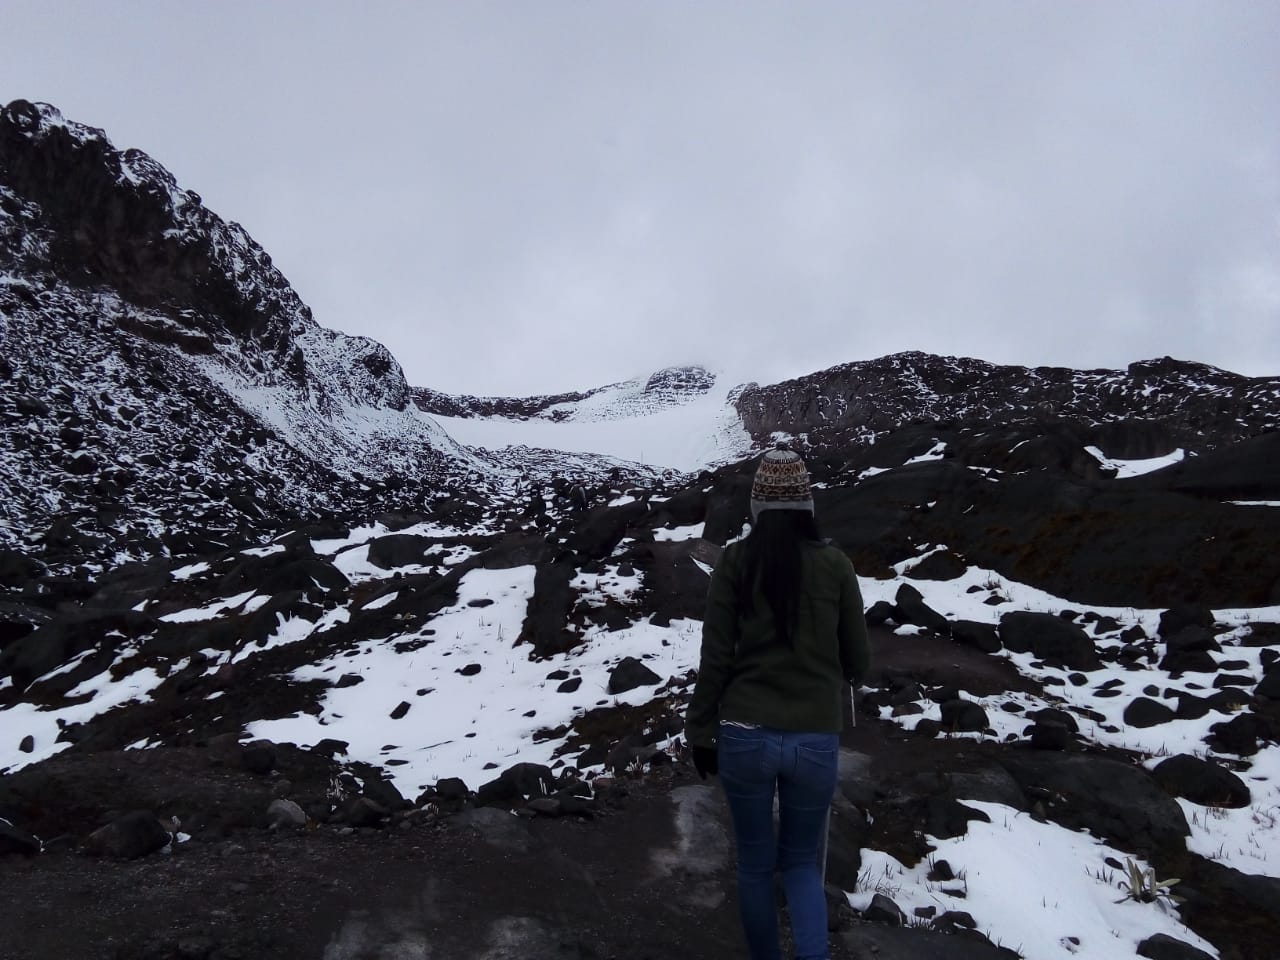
{"points": [[771, 562]]}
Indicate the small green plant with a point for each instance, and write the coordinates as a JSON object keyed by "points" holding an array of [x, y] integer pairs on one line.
{"points": [[1143, 887]]}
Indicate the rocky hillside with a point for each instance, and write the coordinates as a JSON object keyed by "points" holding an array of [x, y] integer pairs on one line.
{"points": [[283, 661]]}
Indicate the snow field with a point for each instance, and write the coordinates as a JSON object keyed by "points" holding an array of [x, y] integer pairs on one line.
{"points": [[1037, 888], [474, 724]]}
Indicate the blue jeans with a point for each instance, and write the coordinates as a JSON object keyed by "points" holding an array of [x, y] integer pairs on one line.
{"points": [[801, 767]]}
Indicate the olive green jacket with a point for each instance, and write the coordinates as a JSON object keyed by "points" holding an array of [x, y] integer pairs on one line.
{"points": [[746, 676]]}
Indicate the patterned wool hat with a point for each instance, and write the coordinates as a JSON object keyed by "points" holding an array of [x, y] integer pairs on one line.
{"points": [[781, 483]]}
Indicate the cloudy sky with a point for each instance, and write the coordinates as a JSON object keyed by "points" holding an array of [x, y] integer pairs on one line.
{"points": [[528, 196]]}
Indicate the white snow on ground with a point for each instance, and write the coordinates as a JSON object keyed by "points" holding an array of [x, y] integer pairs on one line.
{"points": [[184, 573], [597, 589], [679, 533], [350, 554], [1247, 838], [209, 611], [1240, 838], [701, 432], [101, 693], [458, 725], [1135, 468], [1037, 888]]}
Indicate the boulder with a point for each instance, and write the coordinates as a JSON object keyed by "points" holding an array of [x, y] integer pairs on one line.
{"points": [[882, 611], [1049, 638], [629, 674], [1181, 616], [964, 716], [385, 794], [283, 814], [363, 812], [258, 757], [980, 636], [517, 783], [911, 608], [1145, 712], [1049, 736], [398, 550], [1052, 717], [947, 818], [1269, 687], [1201, 781], [883, 910], [1191, 637], [1239, 735], [1113, 800], [129, 837], [1161, 946]]}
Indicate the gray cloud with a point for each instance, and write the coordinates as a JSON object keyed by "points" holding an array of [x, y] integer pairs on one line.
{"points": [[531, 197]]}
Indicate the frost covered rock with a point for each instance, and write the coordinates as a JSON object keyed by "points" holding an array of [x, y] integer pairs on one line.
{"points": [[285, 813]]}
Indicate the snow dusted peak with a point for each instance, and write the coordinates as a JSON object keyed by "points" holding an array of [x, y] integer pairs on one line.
{"points": [[680, 381], [669, 387], [119, 221], [114, 228]]}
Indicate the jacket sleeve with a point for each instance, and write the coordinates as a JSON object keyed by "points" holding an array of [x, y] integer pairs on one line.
{"points": [[855, 649], [719, 640]]}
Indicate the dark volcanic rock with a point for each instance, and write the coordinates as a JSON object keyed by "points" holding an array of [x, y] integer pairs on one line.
{"points": [[13, 840], [1176, 619], [1239, 735], [385, 794], [980, 636], [1145, 712], [964, 715], [882, 611], [129, 837], [911, 608], [1201, 781], [599, 532], [398, 550], [517, 783], [548, 611], [259, 756], [946, 817], [629, 674], [1113, 800], [1050, 638], [1161, 946]]}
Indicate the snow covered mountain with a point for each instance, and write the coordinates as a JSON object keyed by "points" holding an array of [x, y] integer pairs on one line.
{"points": [[221, 522]]}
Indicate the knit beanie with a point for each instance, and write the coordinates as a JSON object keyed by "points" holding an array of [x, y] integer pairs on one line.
{"points": [[781, 483]]}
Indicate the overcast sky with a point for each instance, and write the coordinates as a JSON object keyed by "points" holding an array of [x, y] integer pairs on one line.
{"points": [[528, 196]]}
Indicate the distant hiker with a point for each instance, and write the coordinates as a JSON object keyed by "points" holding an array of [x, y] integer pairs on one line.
{"points": [[783, 633]]}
